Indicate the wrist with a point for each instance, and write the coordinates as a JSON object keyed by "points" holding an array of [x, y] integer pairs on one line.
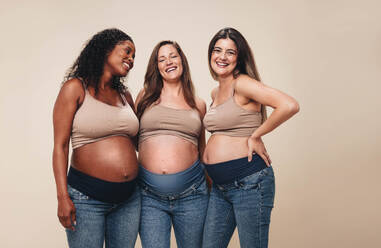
{"points": [[63, 196], [255, 136]]}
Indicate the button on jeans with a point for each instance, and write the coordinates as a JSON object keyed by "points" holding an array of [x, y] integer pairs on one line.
{"points": [[245, 203], [99, 222], [186, 211]]}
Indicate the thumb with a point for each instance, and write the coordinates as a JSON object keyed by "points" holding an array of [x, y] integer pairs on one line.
{"points": [[73, 218], [249, 155]]}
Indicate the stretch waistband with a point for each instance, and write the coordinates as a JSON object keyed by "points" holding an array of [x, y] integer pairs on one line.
{"points": [[110, 192], [229, 171], [172, 183]]}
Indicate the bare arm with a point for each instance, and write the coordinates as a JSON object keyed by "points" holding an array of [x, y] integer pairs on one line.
{"points": [[201, 106], [284, 105], [284, 108], [63, 114]]}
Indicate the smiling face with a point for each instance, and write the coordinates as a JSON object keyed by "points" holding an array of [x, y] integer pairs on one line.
{"points": [[121, 59], [224, 56], [169, 63]]}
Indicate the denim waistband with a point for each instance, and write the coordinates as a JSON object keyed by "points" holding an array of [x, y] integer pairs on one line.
{"points": [[174, 196], [110, 192], [236, 169], [172, 184]]}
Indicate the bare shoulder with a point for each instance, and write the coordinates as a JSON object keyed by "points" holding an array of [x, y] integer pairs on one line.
{"points": [[72, 89], [200, 104], [263, 94], [140, 96], [214, 92], [245, 80], [69, 99], [245, 84]]}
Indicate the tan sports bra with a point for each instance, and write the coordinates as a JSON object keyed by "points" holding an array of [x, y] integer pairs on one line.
{"points": [[231, 119], [161, 120], [96, 120]]}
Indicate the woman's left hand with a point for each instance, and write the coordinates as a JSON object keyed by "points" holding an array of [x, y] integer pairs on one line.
{"points": [[256, 145]]}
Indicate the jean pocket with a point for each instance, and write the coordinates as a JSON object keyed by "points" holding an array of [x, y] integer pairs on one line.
{"points": [[268, 171], [76, 194], [250, 182]]}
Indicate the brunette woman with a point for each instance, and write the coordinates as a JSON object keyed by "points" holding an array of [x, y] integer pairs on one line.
{"points": [[235, 157], [97, 200], [171, 139]]}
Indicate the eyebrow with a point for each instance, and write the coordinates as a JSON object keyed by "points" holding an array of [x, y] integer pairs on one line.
{"points": [[172, 53], [229, 50]]}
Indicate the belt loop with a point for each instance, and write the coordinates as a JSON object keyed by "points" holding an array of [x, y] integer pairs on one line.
{"points": [[193, 188], [236, 183], [220, 187]]}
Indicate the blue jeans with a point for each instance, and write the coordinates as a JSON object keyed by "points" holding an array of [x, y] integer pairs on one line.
{"points": [[99, 222], [185, 210], [245, 203]]}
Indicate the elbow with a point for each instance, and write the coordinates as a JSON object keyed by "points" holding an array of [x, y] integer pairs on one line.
{"points": [[61, 147], [293, 107]]}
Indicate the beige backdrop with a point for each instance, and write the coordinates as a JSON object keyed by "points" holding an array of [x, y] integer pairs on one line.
{"points": [[324, 53]]}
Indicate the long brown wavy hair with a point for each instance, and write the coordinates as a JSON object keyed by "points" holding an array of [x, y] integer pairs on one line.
{"points": [[245, 60], [153, 82]]}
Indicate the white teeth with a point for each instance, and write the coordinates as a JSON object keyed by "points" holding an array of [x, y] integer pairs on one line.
{"points": [[221, 64], [170, 69], [126, 65]]}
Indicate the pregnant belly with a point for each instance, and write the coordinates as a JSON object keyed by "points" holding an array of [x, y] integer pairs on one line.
{"points": [[110, 159], [166, 154], [222, 148]]}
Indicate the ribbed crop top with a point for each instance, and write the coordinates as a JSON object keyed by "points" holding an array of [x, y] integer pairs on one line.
{"points": [[161, 120], [231, 119], [96, 120]]}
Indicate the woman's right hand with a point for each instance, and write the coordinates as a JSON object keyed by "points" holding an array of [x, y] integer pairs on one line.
{"points": [[255, 145], [66, 213], [68, 101]]}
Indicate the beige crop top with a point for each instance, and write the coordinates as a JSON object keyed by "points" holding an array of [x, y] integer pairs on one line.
{"points": [[231, 119], [161, 120], [96, 120]]}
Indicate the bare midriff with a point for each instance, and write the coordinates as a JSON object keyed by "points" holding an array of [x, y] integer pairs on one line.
{"points": [[111, 159], [222, 148], [167, 154]]}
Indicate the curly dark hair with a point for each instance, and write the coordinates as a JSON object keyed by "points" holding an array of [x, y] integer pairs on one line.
{"points": [[89, 65]]}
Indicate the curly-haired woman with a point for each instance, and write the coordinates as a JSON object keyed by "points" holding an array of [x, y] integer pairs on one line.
{"points": [[171, 139], [97, 200]]}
